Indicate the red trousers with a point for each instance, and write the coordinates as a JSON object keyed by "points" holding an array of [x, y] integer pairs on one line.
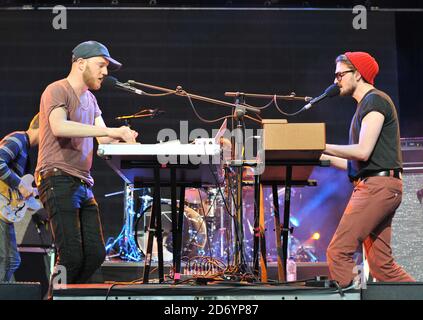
{"points": [[367, 219]]}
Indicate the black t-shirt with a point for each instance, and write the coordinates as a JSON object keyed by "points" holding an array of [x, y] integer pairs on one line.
{"points": [[387, 151]]}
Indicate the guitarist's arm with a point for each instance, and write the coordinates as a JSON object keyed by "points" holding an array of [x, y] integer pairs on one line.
{"points": [[9, 150]]}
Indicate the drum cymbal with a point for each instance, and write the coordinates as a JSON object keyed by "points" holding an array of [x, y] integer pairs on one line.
{"points": [[195, 196]]}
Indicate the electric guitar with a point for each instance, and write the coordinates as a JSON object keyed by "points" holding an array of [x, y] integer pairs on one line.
{"points": [[13, 206]]}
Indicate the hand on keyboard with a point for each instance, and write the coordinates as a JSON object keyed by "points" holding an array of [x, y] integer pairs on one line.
{"points": [[123, 133]]}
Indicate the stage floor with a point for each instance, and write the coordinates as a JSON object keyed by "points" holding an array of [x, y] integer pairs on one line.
{"points": [[119, 280], [211, 291], [118, 270]]}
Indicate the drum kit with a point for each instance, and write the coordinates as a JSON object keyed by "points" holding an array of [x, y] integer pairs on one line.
{"points": [[208, 227], [203, 225]]}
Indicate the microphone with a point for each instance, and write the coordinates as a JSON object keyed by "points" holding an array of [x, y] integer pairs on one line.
{"points": [[330, 92], [153, 112], [144, 113], [112, 82]]}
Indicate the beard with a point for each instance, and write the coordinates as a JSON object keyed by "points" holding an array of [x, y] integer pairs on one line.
{"points": [[89, 80], [347, 91]]}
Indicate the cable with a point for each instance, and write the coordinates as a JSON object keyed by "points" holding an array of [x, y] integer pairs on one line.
{"points": [[237, 230], [198, 115], [260, 108], [224, 199], [110, 290], [339, 289], [158, 94], [220, 190], [43, 244], [284, 113]]}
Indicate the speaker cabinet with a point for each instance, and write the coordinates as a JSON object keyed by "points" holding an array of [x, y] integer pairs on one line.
{"points": [[393, 291], [27, 233], [36, 266], [407, 226], [20, 291]]}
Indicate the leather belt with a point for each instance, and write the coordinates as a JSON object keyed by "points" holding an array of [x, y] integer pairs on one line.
{"points": [[396, 173], [53, 172], [57, 172]]}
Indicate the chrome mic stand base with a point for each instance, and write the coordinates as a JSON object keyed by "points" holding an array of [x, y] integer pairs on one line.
{"points": [[125, 242]]}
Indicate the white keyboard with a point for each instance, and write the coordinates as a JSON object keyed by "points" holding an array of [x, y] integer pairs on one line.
{"points": [[165, 148], [195, 164]]}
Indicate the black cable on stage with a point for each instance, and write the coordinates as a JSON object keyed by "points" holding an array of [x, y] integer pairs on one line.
{"points": [[235, 226], [110, 290]]}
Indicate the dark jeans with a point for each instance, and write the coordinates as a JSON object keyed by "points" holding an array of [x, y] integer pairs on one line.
{"points": [[9, 255], [75, 223]]}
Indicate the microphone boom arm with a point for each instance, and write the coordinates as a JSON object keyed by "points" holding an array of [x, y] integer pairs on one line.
{"points": [[180, 92], [291, 97]]}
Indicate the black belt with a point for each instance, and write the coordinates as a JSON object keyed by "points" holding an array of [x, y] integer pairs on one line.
{"points": [[396, 173], [57, 172]]}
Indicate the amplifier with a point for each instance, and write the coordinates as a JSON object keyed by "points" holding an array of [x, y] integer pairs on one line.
{"points": [[412, 154], [36, 266], [34, 232], [407, 225]]}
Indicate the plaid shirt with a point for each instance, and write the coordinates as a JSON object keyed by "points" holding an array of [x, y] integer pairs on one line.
{"points": [[14, 161]]}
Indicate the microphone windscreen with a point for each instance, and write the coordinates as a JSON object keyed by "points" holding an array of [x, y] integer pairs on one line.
{"points": [[332, 90], [109, 82]]}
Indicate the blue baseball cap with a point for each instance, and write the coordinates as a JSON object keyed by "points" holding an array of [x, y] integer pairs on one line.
{"points": [[89, 49]]}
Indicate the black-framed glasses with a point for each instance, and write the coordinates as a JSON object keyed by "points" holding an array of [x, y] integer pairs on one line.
{"points": [[339, 75]]}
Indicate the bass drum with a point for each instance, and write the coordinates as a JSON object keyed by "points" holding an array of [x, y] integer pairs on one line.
{"points": [[194, 234]]}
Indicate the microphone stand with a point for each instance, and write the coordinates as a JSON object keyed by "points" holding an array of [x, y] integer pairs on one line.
{"points": [[238, 164], [239, 109], [128, 249], [240, 158], [291, 97]]}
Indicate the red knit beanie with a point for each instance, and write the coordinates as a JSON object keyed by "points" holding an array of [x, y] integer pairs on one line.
{"points": [[365, 64]]}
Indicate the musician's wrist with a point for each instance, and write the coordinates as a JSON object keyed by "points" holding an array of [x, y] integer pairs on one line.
{"points": [[108, 132]]}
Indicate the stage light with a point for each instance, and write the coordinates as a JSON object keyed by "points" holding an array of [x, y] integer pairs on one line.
{"points": [[315, 236], [294, 221]]}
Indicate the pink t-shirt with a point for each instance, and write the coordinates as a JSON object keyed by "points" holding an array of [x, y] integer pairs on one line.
{"points": [[72, 155]]}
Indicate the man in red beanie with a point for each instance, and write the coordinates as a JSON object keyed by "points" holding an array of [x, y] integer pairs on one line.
{"points": [[374, 163]]}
